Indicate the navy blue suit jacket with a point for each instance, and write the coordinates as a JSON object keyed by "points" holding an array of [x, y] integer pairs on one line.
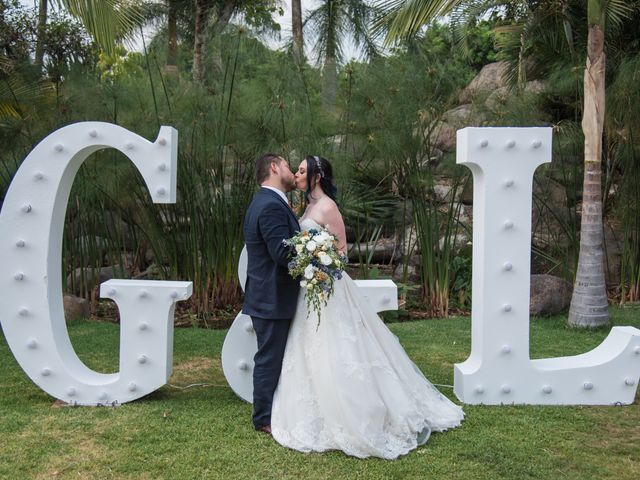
{"points": [[270, 292]]}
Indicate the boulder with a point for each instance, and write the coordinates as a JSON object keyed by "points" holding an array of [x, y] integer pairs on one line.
{"points": [[443, 137], [550, 295], [75, 308], [86, 279], [459, 116], [413, 270], [490, 78]]}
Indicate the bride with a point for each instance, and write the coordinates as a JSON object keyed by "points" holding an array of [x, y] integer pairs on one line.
{"points": [[349, 385]]}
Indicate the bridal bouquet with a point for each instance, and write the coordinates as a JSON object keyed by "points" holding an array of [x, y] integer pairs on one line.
{"points": [[317, 261]]}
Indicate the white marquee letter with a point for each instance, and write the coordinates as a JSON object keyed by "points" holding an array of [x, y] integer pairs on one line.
{"points": [[32, 314], [499, 369]]}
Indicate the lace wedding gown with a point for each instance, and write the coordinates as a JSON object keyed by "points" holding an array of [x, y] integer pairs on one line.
{"points": [[350, 385]]}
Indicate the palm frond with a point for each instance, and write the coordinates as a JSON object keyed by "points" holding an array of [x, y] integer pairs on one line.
{"points": [[402, 19], [107, 21]]}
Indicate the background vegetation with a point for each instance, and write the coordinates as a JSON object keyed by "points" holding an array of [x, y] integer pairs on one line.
{"points": [[208, 73]]}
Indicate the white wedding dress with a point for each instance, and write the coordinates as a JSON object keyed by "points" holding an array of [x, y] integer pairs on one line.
{"points": [[350, 386]]}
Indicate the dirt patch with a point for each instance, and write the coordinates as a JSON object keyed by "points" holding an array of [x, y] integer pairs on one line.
{"points": [[197, 369]]}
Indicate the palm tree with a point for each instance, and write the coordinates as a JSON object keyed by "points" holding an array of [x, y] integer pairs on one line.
{"points": [[331, 24], [589, 307], [296, 28], [107, 21]]}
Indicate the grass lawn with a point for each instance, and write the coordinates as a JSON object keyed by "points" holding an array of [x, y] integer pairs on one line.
{"points": [[206, 432]]}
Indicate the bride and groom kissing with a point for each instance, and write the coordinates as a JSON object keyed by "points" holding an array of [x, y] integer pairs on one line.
{"points": [[346, 383]]}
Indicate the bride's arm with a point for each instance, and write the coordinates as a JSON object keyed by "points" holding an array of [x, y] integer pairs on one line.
{"points": [[334, 222]]}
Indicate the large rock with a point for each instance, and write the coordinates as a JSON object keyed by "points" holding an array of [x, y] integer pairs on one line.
{"points": [[443, 137], [413, 270], [86, 279], [75, 308], [490, 78], [550, 295]]}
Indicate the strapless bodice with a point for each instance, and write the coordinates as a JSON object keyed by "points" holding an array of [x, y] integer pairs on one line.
{"points": [[308, 224]]}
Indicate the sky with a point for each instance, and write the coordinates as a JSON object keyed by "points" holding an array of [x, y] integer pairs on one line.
{"points": [[284, 21]]}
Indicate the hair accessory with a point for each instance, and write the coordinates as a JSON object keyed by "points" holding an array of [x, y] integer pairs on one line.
{"points": [[318, 166]]}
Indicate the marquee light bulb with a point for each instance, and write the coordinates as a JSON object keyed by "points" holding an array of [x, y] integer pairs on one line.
{"points": [[93, 134], [162, 141], [505, 349], [26, 208], [507, 266], [484, 143], [162, 167], [507, 307], [587, 386], [20, 244], [511, 144], [508, 224], [142, 359], [59, 147], [547, 389], [19, 276], [506, 389], [536, 144], [45, 372]]}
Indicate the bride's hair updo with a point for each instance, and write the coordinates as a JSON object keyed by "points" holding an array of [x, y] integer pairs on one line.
{"points": [[320, 166]]}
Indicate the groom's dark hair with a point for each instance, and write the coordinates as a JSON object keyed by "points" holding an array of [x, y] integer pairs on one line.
{"points": [[263, 164]]}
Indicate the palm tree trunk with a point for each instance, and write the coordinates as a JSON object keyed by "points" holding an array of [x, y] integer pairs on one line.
{"points": [[171, 66], [330, 82], [42, 25], [329, 70], [589, 306], [200, 39], [296, 27]]}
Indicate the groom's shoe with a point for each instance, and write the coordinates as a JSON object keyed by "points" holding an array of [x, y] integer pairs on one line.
{"points": [[266, 429]]}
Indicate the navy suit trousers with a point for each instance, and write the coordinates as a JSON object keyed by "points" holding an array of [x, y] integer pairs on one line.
{"points": [[272, 339]]}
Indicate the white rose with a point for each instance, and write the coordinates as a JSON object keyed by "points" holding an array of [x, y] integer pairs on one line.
{"points": [[309, 271], [321, 237], [299, 248], [303, 283], [311, 245], [325, 259]]}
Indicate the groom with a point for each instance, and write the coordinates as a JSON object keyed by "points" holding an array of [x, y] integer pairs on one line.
{"points": [[270, 295]]}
